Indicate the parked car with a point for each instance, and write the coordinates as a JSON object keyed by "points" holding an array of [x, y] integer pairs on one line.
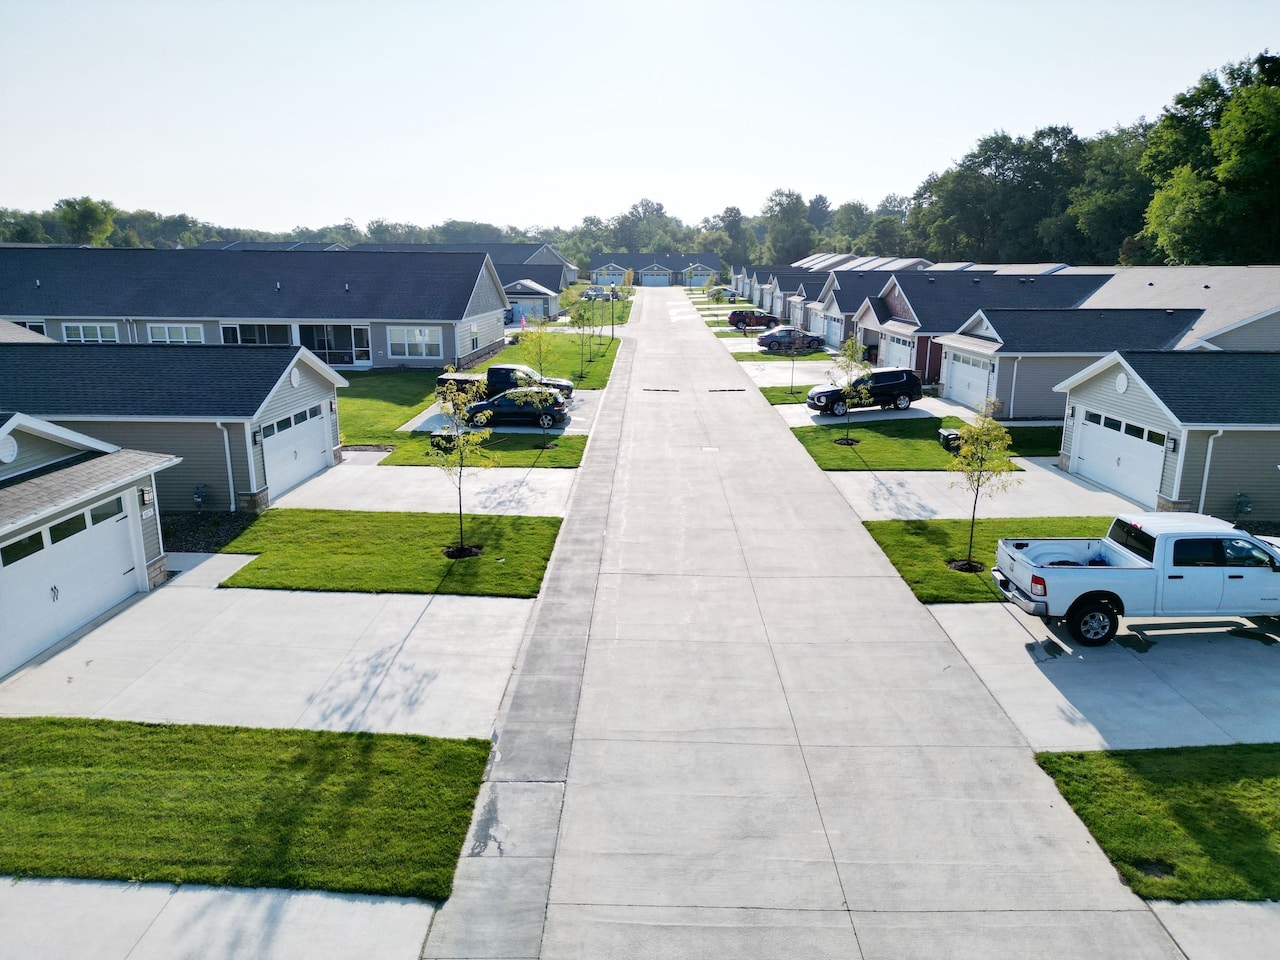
{"points": [[728, 293], [789, 338], [885, 387], [505, 376], [751, 318], [507, 407]]}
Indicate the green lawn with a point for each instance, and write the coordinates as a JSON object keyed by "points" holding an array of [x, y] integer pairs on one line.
{"points": [[505, 450], [376, 552], [1191, 823], [568, 356], [232, 806], [910, 443], [920, 549], [379, 401], [782, 355], [784, 395]]}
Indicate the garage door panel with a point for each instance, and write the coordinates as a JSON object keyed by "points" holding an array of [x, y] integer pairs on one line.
{"points": [[1128, 465], [296, 453], [967, 383]]}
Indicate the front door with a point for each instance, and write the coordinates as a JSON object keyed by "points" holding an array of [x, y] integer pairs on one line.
{"points": [[362, 354]]}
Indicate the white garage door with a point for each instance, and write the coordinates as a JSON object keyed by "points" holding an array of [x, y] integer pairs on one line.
{"points": [[696, 279], [61, 577], [894, 352], [835, 331], [968, 380], [1120, 456], [655, 280], [295, 448]]}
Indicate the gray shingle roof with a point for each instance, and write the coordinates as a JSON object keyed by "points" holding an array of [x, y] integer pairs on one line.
{"points": [[91, 283], [506, 252], [140, 380], [27, 499], [943, 301], [1089, 331], [672, 261], [1213, 387], [852, 287], [549, 275]]}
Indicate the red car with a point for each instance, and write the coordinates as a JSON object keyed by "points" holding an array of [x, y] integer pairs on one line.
{"points": [[751, 318]]}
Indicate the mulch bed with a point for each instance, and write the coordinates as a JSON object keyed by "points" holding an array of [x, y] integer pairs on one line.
{"points": [[197, 532]]}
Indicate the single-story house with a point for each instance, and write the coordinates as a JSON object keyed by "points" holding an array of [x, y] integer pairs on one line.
{"points": [[352, 310], [1018, 357], [248, 422], [917, 306], [1195, 430], [532, 289], [782, 286], [528, 253], [655, 269], [79, 531]]}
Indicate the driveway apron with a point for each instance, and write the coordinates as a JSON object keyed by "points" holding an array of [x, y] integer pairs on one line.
{"points": [[735, 733]]}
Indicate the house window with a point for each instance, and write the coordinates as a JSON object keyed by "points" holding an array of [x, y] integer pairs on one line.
{"points": [[414, 342], [300, 418], [1133, 430], [257, 333], [268, 430], [283, 425], [67, 528], [105, 511], [17, 550], [175, 333], [475, 338], [1111, 423], [89, 333], [1156, 437], [35, 326], [313, 412], [1091, 417]]}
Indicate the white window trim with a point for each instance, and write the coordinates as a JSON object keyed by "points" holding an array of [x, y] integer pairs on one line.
{"points": [[99, 327], [426, 337], [186, 329]]}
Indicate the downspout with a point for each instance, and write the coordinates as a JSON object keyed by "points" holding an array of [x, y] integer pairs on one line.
{"points": [[1204, 480], [1013, 387], [249, 458], [231, 480]]}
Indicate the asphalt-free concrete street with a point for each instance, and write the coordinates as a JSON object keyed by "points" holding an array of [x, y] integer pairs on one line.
{"points": [[731, 729]]}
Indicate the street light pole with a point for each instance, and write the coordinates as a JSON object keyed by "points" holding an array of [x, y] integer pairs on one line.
{"points": [[613, 295]]}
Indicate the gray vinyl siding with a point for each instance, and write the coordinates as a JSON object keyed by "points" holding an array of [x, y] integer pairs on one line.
{"points": [[1196, 447], [1261, 334], [1036, 378], [201, 448], [150, 527], [382, 358], [486, 297], [35, 452], [1244, 462]]}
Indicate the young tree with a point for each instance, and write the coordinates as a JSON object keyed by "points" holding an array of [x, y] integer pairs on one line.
{"points": [[535, 345], [460, 446], [852, 369], [580, 321], [983, 459]]}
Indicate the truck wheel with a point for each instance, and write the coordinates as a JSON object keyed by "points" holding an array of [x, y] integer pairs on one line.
{"points": [[546, 421], [839, 408], [902, 401], [1093, 624]]}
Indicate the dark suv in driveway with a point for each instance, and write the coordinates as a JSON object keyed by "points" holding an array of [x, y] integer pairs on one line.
{"points": [[887, 386], [751, 318]]}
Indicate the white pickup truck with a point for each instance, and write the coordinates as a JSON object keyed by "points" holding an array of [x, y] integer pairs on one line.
{"points": [[1148, 565]]}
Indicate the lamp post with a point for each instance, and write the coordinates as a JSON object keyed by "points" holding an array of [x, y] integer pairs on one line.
{"points": [[613, 295]]}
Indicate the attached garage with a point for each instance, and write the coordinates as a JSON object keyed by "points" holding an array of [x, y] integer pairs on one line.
{"points": [[78, 532], [968, 380], [895, 351], [698, 277], [1121, 456], [294, 448], [657, 278]]}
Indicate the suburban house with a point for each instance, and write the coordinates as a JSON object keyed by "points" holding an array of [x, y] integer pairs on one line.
{"points": [[1018, 357], [655, 269], [1195, 430], [917, 306], [842, 297], [527, 253], [11, 332], [307, 245], [352, 310], [79, 531], [754, 280], [247, 422], [782, 286], [532, 289]]}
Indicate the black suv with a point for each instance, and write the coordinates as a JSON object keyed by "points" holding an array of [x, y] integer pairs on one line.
{"points": [[887, 386], [751, 318]]}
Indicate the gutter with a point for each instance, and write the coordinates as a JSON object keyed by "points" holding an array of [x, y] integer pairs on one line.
{"points": [[231, 480], [1208, 460]]}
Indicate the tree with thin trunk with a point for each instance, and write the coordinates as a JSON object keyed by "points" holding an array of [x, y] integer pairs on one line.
{"points": [[852, 374], [984, 461], [459, 447], [580, 322], [534, 345]]}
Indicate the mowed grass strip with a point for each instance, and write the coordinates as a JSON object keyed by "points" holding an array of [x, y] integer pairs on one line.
{"points": [[906, 443], [780, 355], [232, 806], [353, 551], [783, 395], [379, 401], [504, 450], [920, 549], [1190, 823], [586, 360]]}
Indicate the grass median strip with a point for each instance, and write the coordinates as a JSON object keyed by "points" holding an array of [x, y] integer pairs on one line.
{"points": [[777, 356], [505, 450], [906, 443], [384, 552], [779, 396], [233, 806], [920, 549], [1189, 823]]}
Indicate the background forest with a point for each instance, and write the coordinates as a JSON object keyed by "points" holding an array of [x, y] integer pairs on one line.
{"points": [[1201, 184]]}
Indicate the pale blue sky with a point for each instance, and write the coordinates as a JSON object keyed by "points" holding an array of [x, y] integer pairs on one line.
{"points": [[276, 113]]}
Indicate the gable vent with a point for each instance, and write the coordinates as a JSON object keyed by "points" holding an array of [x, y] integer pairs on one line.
{"points": [[37, 284], [277, 284]]}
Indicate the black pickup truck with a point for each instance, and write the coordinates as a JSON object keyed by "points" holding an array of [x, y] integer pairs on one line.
{"points": [[508, 376]]}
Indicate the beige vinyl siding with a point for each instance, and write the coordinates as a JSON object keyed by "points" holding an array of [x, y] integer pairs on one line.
{"points": [[1037, 376], [1261, 334], [198, 443], [34, 452], [1244, 462]]}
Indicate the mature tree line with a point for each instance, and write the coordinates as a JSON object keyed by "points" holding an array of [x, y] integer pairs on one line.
{"points": [[1201, 184]]}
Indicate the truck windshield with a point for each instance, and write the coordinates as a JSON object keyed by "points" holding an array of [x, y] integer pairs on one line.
{"points": [[1136, 541]]}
